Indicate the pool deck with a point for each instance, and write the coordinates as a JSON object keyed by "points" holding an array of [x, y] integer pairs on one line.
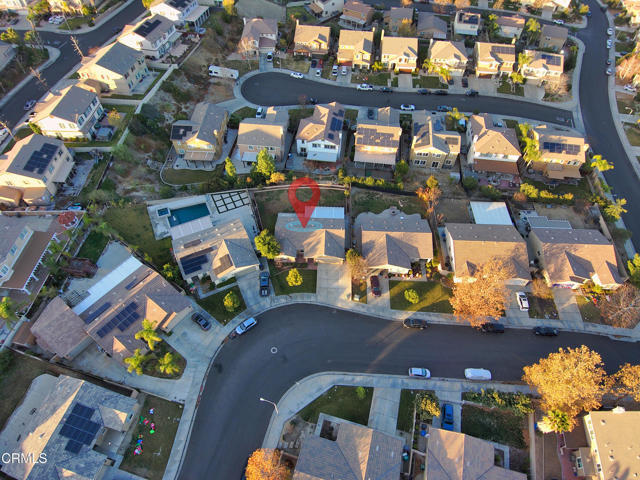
{"points": [[160, 225]]}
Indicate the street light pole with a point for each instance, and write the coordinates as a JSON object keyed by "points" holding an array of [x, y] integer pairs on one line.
{"points": [[269, 401]]}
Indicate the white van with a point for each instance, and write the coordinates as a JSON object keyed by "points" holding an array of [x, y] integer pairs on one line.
{"points": [[477, 374]]}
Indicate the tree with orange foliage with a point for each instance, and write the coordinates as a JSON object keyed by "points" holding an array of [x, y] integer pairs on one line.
{"points": [[626, 382], [430, 194], [484, 296], [264, 465], [621, 308], [628, 67]]}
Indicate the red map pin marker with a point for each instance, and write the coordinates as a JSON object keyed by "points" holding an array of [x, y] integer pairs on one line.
{"points": [[304, 210]]}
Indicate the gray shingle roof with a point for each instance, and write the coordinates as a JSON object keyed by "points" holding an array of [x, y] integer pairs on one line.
{"points": [[323, 237], [118, 58], [73, 103]]}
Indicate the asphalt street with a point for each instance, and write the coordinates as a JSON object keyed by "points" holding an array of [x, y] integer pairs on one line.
{"points": [[280, 89], [598, 121], [231, 421], [13, 110]]}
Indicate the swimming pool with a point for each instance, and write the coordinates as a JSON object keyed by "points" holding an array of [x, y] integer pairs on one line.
{"points": [[187, 214]]}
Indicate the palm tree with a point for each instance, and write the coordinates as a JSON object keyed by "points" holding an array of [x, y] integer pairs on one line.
{"points": [[516, 79], [444, 73], [148, 334], [167, 364], [134, 363], [377, 66], [428, 65], [532, 28]]}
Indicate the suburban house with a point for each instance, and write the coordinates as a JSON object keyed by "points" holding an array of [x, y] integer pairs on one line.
{"points": [[326, 8], [259, 36], [34, 169], [75, 425], [549, 6], [431, 26], [319, 136], [311, 40], [571, 257], [70, 113], [510, 26], [450, 55], [604, 443], [222, 251], [201, 138], [116, 67], [340, 449], [356, 15], [492, 148], [7, 53], [432, 145], [15, 4], [393, 240], [111, 313], [377, 142], [470, 245], [181, 12], [456, 456], [399, 53], [494, 59], [547, 67], [24, 242], [553, 36], [396, 17], [322, 240], [72, 5], [466, 23], [355, 48], [269, 132], [563, 152], [152, 36], [632, 7]]}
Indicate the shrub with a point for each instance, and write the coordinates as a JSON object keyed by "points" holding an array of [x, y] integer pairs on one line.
{"points": [[470, 183], [231, 301], [427, 406], [361, 393], [491, 192], [411, 296], [519, 197], [518, 403], [6, 359]]}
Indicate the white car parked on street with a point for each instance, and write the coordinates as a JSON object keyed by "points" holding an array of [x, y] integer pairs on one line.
{"points": [[477, 374], [407, 107], [365, 86], [297, 75], [419, 372]]}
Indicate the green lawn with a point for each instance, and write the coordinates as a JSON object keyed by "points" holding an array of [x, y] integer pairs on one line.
{"points": [[379, 78], [157, 446], [151, 364], [297, 114], [351, 115], [213, 304], [376, 202], [428, 82], [281, 287], [406, 409], [633, 134], [579, 191], [511, 123], [625, 105], [236, 117], [74, 23], [133, 224], [342, 402], [19, 135], [95, 175], [296, 64], [301, 13], [93, 246], [434, 297], [506, 87], [588, 310], [359, 288], [494, 425]]}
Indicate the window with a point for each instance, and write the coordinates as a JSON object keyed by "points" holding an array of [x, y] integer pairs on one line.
{"points": [[44, 179], [23, 234], [250, 147], [435, 164], [50, 168], [4, 270], [13, 250]]}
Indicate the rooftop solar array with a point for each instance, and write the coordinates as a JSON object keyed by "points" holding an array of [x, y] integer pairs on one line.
{"points": [[554, 147], [178, 132], [179, 4], [503, 49], [123, 320], [469, 18], [340, 113], [147, 27], [40, 159], [192, 263], [225, 263], [551, 59], [101, 309], [79, 428], [336, 124]]}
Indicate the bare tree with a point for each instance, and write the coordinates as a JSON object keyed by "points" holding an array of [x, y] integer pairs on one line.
{"points": [[5, 125], [39, 77], [621, 308], [76, 46], [628, 67]]}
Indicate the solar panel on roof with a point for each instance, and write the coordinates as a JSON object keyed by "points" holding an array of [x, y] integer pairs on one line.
{"points": [[73, 446], [40, 159], [551, 59], [192, 263], [340, 113], [136, 281], [103, 308], [147, 27], [336, 124], [79, 428]]}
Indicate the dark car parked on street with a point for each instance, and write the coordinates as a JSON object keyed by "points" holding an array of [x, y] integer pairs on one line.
{"points": [[424, 91], [386, 90], [546, 331], [201, 321], [415, 323], [492, 327], [375, 285], [441, 92]]}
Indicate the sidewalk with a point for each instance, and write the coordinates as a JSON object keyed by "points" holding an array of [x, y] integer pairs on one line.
{"points": [[311, 387]]}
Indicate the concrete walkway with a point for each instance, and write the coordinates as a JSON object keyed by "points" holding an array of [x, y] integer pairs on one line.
{"points": [[567, 305], [311, 387], [383, 415]]}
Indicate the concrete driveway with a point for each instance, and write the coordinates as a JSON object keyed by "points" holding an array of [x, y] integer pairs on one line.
{"points": [[334, 281], [568, 310], [250, 287], [513, 309]]}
